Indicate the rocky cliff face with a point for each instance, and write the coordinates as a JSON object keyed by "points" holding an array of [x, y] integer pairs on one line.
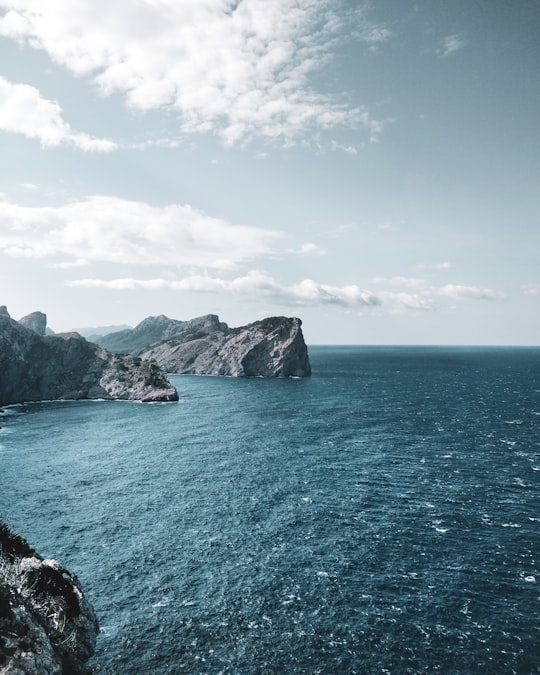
{"points": [[157, 329], [273, 347], [35, 367], [46, 624], [36, 321]]}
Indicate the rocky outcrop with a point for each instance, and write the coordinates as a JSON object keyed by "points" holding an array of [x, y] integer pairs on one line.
{"points": [[157, 329], [272, 347], [46, 624], [36, 321], [35, 367]]}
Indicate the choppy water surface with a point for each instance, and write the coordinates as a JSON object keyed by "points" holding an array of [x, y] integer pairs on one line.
{"points": [[380, 517]]}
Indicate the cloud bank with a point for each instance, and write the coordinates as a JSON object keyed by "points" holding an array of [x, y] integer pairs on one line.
{"points": [[114, 230], [237, 69], [254, 285], [307, 293], [24, 111], [103, 229]]}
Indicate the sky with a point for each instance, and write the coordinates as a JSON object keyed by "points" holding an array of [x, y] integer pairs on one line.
{"points": [[372, 167]]}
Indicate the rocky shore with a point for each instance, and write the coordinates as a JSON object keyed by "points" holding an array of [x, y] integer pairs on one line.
{"points": [[47, 627], [35, 366]]}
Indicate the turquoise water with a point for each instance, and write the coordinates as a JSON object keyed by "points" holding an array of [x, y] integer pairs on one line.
{"points": [[380, 517]]}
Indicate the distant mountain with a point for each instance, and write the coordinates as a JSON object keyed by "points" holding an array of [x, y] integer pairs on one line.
{"points": [[93, 333], [157, 329], [35, 367], [272, 347]]}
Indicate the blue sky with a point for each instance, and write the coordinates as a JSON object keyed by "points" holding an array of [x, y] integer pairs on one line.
{"points": [[371, 167]]}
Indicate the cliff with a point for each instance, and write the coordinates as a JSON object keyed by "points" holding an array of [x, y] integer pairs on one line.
{"points": [[46, 624], [36, 321], [35, 367], [272, 347]]}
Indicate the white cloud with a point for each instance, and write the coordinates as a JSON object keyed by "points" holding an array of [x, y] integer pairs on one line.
{"points": [[238, 69], [308, 249], [171, 143], [24, 111], [349, 149], [254, 284], [115, 230], [454, 291], [430, 291], [531, 289], [451, 44], [70, 264], [257, 285], [374, 35], [312, 292], [457, 291], [400, 300]]}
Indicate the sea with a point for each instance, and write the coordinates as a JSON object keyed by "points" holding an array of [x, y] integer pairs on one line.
{"points": [[382, 516]]}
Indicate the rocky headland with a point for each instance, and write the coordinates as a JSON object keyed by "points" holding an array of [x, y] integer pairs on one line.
{"points": [[272, 347], [46, 624], [35, 366]]}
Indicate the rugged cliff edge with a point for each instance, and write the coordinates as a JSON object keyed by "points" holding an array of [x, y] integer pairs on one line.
{"points": [[272, 347], [36, 367], [46, 624]]}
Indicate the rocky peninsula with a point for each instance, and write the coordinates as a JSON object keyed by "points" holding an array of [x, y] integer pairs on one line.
{"points": [[35, 366], [272, 347], [46, 624]]}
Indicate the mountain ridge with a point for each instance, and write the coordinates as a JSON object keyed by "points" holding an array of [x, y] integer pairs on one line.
{"points": [[270, 347], [35, 367]]}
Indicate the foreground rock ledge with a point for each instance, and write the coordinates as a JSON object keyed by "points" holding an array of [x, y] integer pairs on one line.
{"points": [[36, 367], [47, 627]]}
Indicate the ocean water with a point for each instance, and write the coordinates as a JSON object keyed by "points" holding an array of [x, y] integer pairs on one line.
{"points": [[382, 516]]}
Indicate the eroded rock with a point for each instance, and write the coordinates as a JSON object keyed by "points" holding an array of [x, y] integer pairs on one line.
{"points": [[46, 624], [272, 347], [35, 367]]}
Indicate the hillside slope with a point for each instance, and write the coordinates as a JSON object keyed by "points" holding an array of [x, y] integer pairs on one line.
{"points": [[272, 347], [35, 367]]}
